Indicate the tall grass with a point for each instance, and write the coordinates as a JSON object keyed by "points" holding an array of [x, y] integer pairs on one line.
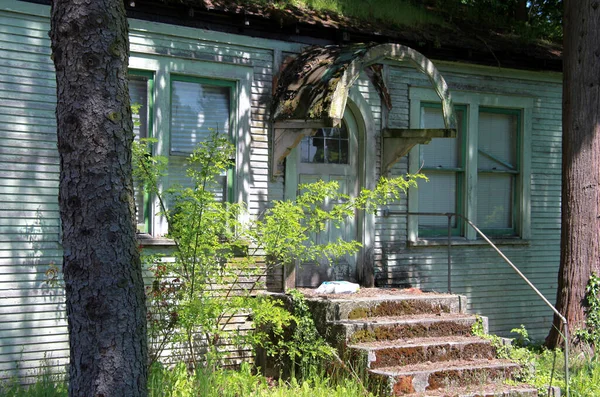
{"points": [[46, 384], [229, 383], [177, 382]]}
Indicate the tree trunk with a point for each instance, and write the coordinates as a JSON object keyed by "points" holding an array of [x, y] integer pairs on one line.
{"points": [[521, 11], [580, 252], [102, 272]]}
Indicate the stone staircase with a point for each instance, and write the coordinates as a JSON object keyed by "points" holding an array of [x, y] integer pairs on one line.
{"points": [[416, 345]]}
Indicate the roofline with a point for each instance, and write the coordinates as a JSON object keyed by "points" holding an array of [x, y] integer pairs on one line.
{"points": [[294, 31]]}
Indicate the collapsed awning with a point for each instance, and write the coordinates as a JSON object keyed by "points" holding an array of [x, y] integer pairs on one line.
{"points": [[312, 92]]}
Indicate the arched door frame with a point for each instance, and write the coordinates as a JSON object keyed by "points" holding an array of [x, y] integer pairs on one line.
{"points": [[366, 178]]}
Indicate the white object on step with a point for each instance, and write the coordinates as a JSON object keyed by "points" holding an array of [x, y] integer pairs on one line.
{"points": [[337, 287]]}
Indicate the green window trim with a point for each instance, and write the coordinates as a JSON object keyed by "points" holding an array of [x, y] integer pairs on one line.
{"points": [[457, 230], [524, 108], [149, 77], [460, 172], [232, 86], [516, 172]]}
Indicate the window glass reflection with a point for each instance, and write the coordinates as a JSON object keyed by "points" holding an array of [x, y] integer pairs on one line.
{"points": [[327, 146]]}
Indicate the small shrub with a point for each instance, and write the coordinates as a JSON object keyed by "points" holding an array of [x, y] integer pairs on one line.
{"points": [[212, 276], [591, 333]]}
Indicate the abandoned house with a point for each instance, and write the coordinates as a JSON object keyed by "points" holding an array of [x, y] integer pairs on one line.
{"points": [[304, 97]]}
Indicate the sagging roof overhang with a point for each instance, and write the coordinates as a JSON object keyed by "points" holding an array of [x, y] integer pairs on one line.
{"points": [[312, 92]]}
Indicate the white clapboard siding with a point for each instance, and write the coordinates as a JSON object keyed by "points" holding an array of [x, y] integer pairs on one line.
{"points": [[32, 321], [492, 287], [33, 330]]}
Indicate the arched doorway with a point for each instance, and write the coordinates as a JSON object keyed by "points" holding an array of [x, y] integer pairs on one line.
{"points": [[331, 154]]}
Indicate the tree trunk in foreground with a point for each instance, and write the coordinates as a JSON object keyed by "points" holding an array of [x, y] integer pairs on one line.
{"points": [[580, 248], [103, 280]]}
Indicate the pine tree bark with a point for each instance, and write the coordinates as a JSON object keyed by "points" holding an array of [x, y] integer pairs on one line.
{"points": [[102, 272], [580, 235]]}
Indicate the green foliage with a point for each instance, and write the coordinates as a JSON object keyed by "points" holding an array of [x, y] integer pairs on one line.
{"points": [[541, 19], [147, 168], [46, 384], [212, 275], [179, 382], [477, 327], [591, 334], [305, 349], [391, 12], [523, 336], [196, 294], [539, 367], [289, 230], [585, 379]]}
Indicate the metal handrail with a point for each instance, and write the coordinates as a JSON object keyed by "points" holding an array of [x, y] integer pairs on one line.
{"points": [[450, 215]]}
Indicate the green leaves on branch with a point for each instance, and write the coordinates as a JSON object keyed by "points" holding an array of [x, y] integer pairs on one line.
{"points": [[591, 332], [289, 230], [147, 168], [205, 288]]}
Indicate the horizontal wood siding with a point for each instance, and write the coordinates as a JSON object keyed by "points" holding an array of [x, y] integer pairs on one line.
{"points": [[493, 288], [33, 329], [32, 316]]}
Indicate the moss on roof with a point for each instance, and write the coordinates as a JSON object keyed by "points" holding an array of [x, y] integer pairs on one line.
{"points": [[438, 34]]}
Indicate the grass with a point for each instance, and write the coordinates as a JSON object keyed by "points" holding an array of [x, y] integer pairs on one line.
{"points": [[584, 373], [176, 382], [393, 13], [230, 383], [46, 385]]}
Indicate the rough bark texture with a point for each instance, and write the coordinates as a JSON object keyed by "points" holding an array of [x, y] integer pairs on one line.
{"points": [[104, 287], [580, 248]]}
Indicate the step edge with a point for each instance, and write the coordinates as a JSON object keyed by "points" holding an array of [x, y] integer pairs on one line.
{"points": [[443, 367], [465, 340], [401, 320]]}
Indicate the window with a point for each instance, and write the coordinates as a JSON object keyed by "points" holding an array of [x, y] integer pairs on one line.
{"points": [[140, 93], [184, 101], [443, 161], [327, 146], [198, 107], [497, 170], [482, 174]]}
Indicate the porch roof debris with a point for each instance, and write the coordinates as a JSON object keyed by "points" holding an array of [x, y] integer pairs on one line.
{"points": [[451, 41], [313, 88]]}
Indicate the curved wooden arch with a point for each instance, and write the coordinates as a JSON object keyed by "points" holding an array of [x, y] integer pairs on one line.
{"points": [[395, 52], [313, 89]]}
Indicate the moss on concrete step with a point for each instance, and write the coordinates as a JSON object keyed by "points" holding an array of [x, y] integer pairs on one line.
{"points": [[423, 350], [402, 380], [390, 329]]}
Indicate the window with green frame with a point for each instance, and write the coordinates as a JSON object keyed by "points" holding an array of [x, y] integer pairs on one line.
{"points": [[498, 170], [199, 107], [443, 162], [141, 86], [494, 188]]}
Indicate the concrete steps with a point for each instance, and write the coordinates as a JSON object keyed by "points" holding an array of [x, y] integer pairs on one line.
{"points": [[404, 379], [481, 390], [416, 345], [418, 350], [398, 327]]}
